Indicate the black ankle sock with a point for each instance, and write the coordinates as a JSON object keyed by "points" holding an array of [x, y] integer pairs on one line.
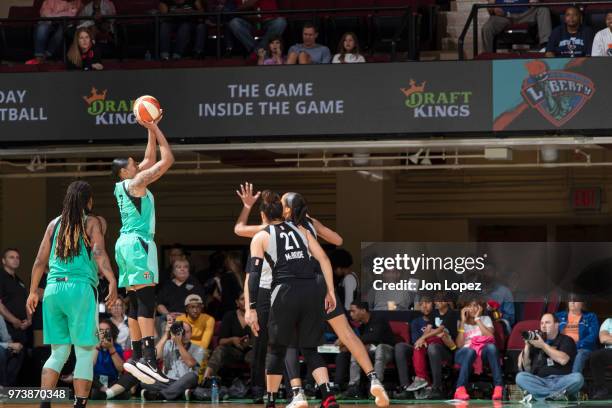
{"points": [[136, 350], [372, 375], [148, 348], [271, 399], [80, 402], [326, 390], [296, 390]]}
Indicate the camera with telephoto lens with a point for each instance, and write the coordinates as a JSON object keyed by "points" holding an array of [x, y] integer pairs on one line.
{"points": [[531, 335], [177, 328]]}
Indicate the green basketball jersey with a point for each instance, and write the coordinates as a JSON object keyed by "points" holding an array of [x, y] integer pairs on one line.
{"points": [[81, 268], [137, 213]]}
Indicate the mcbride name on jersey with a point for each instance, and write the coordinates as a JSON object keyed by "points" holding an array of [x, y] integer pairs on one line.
{"points": [[288, 253]]}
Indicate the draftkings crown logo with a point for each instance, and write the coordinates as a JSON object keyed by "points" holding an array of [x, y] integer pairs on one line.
{"points": [[424, 104], [109, 111]]}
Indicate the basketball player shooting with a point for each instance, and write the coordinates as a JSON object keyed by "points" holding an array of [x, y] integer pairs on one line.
{"points": [[135, 250]]}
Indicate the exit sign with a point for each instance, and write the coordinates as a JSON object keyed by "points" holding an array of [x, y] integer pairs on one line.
{"points": [[586, 198]]}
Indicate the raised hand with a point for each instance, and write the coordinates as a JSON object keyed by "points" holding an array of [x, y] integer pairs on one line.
{"points": [[247, 196]]}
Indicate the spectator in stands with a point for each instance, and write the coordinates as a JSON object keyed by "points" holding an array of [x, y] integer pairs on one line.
{"points": [[503, 17], [602, 44], [572, 39], [11, 357], [348, 50], [48, 36], [202, 325], [83, 54], [182, 27], [172, 295], [234, 341], [582, 327], [13, 296], [430, 344], [175, 252], [309, 52], [348, 283], [181, 362], [375, 333], [108, 358], [119, 319], [476, 343], [102, 30], [242, 28], [546, 364], [600, 359], [274, 54]]}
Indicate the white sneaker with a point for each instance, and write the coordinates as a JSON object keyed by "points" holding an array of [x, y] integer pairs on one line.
{"points": [[527, 400], [381, 399], [131, 368], [298, 401], [151, 370]]}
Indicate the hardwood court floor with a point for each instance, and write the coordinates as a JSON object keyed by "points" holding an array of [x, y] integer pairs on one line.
{"points": [[398, 404]]}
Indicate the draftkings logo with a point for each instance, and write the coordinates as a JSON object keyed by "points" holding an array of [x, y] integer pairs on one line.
{"points": [[453, 104], [109, 111], [557, 95]]}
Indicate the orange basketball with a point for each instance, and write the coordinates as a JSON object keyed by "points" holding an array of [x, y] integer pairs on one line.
{"points": [[146, 108]]}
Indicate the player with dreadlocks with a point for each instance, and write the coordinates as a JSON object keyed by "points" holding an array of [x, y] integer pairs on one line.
{"points": [[73, 247]]}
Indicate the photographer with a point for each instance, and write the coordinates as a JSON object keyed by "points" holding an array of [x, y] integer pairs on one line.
{"points": [[546, 363], [234, 341], [181, 361], [108, 358]]}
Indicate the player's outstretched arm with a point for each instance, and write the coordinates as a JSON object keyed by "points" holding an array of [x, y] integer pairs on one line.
{"points": [[144, 178], [38, 269], [326, 233], [94, 231], [150, 156], [248, 200]]}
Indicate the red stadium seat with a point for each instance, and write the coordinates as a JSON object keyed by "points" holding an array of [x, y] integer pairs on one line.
{"points": [[532, 309], [500, 336], [516, 344]]}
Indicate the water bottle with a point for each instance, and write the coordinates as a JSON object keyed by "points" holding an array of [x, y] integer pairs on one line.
{"points": [[214, 392]]}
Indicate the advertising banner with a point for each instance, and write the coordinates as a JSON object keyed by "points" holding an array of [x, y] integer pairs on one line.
{"points": [[357, 99]]}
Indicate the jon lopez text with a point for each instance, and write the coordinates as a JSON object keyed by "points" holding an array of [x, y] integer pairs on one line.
{"points": [[414, 285]]}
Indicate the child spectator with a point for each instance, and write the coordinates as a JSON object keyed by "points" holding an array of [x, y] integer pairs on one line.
{"points": [[475, 343], [348, 50], [274, 54]]}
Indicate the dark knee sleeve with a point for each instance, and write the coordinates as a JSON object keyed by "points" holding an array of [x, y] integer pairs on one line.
{"points": [[127, 381], [132, 305], [313, 359], [146, 302], [292, 363], [275, 360]]}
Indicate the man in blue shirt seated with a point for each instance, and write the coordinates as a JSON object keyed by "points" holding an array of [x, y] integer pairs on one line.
{"points": [[503, 17], [572, 39]]}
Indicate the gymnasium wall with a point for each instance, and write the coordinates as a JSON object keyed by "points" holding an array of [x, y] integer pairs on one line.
{"points": [[431, 205]]}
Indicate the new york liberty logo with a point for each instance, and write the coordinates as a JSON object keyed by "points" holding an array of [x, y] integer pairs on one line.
{"points": [[557, 95]]}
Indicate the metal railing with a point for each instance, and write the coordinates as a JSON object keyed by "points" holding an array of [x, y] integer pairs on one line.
{"points": [[473, 18], [223, 16]]}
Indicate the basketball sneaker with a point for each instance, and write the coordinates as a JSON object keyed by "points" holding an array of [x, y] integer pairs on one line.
{"points": [[150, 368], [130, 367], [298, 401], [381, 399]]}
